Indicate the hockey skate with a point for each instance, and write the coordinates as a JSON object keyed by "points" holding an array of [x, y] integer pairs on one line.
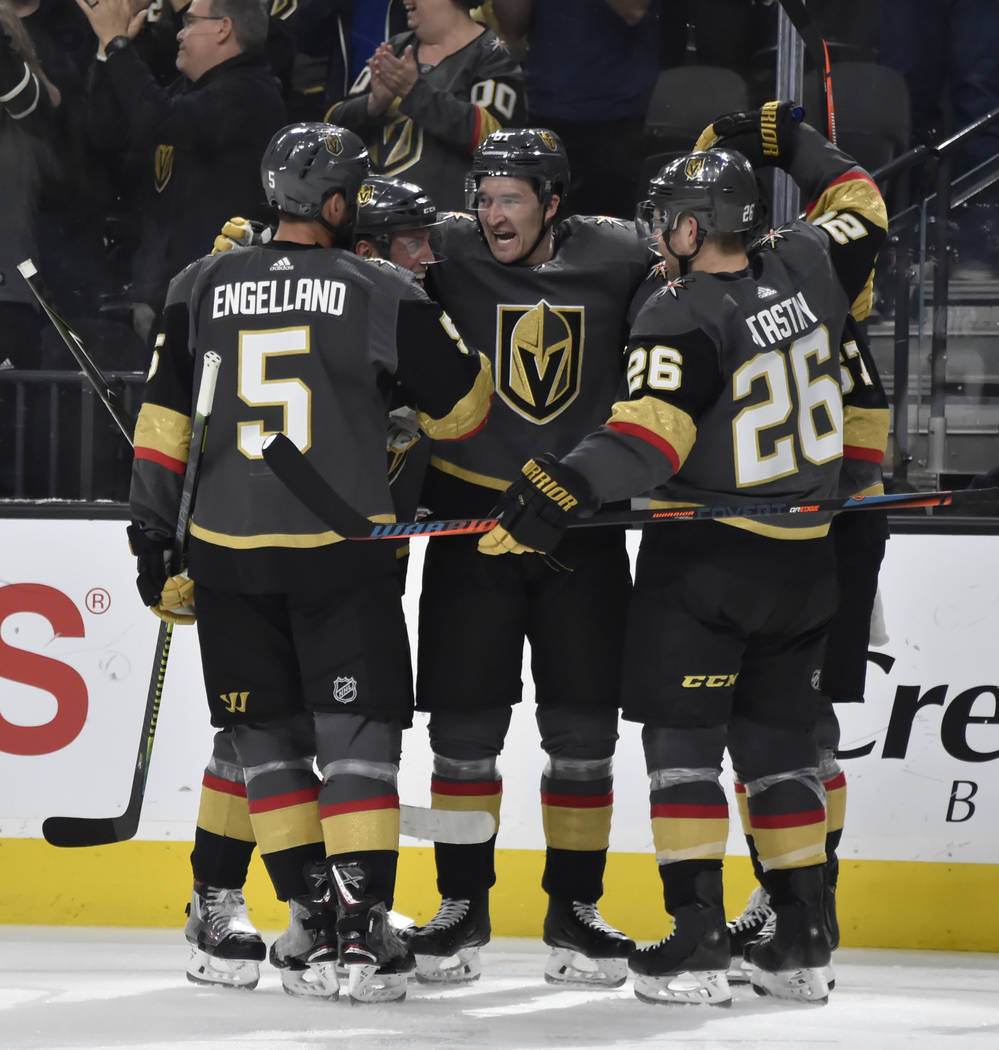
{"points": [[306, 952], [447, 947], [754, 924], [376, 958], [689, 965], [226, 949], [794, 963], [586, 950]]}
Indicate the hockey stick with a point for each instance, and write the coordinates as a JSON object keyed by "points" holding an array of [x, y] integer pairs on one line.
{"points": [[99, 831], [103, 389], [303, 480], [816, 45]]}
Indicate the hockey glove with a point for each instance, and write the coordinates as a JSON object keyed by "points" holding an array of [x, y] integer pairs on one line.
{"points": [[241, 233], [171, 598], [538, 507], [764, 136]]}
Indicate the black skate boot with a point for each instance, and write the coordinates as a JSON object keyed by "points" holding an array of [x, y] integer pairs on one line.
{"points": [[689, 965], [458, 930], [830, 877], [747, 929], [306, 952], [225, 946], [793, 963], [376, 957], [585, 949]]}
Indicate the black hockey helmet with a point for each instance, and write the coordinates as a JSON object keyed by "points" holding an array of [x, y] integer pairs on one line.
{"points": [[306, 163], [535, 154], [386, 206], [716, 186]]}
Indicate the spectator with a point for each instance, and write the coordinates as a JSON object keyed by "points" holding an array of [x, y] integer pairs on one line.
{"points": [[946, 50], [430, 95], [591, 66], [203, 136]]}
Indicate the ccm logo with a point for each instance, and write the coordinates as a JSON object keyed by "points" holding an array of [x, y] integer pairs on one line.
{"points": [[42, 672]]}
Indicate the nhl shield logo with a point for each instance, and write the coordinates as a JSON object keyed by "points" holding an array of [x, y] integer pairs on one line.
{"points": [[539, 355], [345, 690]]}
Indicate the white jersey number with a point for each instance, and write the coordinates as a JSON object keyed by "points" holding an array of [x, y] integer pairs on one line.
{"points": [[256, 390], [819, 417]]}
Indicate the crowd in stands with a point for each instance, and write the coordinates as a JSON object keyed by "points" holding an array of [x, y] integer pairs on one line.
{"points": [[152, 117]]}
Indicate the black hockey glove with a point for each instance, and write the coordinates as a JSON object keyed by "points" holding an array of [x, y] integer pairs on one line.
{"points": [[764, 136], [171, 598], [538, 507]]}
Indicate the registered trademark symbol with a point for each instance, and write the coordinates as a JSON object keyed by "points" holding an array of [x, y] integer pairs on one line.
{"points": [[98, 601]]}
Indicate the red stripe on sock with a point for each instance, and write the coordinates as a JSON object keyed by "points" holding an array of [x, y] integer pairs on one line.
{"points": [[285, 801], [466, 787], [788, 820], [361, 805], [578, 801], [227, 787]]}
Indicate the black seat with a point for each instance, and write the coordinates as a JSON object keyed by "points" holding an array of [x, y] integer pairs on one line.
{"points": [[684, 101]]}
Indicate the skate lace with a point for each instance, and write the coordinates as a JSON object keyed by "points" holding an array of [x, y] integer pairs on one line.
{"points": [[226, 910], [589, 916], [450, 913], [757, 910]]}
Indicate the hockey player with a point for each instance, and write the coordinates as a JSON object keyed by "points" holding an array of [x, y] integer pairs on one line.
{"points": [[394, 222], [734, 397], [549, 302], [303, 642]]}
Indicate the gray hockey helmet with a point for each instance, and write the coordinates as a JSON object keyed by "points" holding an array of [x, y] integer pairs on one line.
{"points": [[536, 154]]}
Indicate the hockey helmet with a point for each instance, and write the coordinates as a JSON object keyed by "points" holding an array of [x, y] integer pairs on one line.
{"points": [[716, 186], [306, 163], [535, 154], [386, 206]]}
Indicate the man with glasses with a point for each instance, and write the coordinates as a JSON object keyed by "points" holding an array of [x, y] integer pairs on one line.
{"points": [[203, 136]]}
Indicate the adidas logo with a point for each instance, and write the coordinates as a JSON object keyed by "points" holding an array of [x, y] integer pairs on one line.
{"points": [[284, 263], [763, 292]]}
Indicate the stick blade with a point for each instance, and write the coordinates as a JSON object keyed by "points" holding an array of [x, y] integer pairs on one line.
{"points": [[69, 832], [459, 827]]}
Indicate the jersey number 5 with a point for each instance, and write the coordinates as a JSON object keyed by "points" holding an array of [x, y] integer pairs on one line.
{"points": [[255, 389], [818, 436]]}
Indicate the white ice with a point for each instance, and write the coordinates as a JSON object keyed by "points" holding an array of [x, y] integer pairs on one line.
{"points": [[86, 988]]}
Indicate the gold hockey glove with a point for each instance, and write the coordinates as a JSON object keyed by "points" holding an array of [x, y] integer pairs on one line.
{"points": [[241, 233], [764, 136], [538, 507], [176, 604]]}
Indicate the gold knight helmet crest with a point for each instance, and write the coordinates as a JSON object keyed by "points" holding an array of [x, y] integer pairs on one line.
{"points": [[365, 194], [693, 168], [334, 144], [549, 140]]}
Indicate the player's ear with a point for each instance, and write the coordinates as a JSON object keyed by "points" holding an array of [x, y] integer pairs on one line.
{"points": [[552, 207], [365, 249]]}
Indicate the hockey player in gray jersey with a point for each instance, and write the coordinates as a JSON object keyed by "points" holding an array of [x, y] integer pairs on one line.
{"points": [[303, 642], [548, 302], [733, 397]]}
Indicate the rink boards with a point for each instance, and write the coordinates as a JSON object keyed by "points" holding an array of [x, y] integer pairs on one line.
{"points": [[920, 854]]}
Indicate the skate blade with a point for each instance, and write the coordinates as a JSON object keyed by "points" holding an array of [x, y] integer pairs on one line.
{"points": [[366, 985], [205, 969], [461, 968], [740, 974], [566, 966], [803, 986], [315, 981], [703, 987]]}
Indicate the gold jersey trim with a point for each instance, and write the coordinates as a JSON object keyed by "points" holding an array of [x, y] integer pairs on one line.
{"points": [[299, 541], [667, 422], [468, 414], [164, 430], [482, 480], [866, 427]]}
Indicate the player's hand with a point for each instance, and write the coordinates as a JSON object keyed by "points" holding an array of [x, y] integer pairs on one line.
{"points": [[403, 429], [764, 136], [537, 508], [171, 598], [241, 233], [176, 604]]}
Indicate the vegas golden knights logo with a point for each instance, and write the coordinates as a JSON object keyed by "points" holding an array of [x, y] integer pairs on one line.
{"points": [[693, 167], [401, 146], [234, 703], [364, 194], [549, 140], [334, 144], [163, 167], [539, 353]]}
